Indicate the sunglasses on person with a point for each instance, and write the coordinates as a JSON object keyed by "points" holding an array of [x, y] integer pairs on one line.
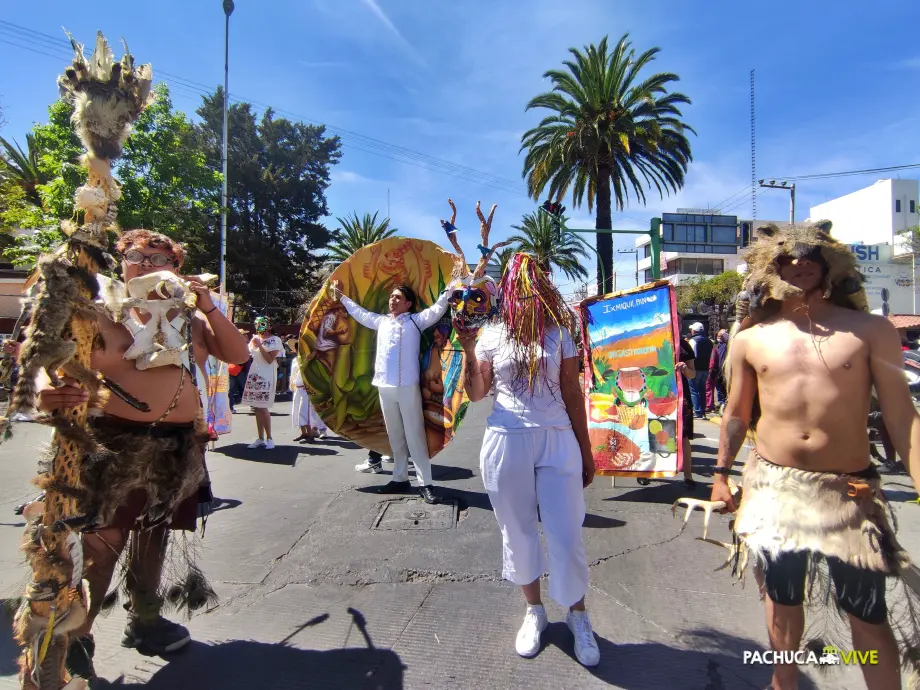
{"points": [[136, 258]]}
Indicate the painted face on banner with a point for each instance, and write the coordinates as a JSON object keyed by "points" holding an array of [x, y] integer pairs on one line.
{"points": [[475, 304]]}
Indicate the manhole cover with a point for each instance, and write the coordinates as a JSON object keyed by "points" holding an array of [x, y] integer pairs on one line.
{"points": [[414, 513]]}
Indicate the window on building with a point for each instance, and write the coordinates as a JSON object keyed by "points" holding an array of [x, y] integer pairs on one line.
{"points": [[648, 275], [913, 206], [696, 266], [647, 251], [723, 235], [897, 205]]}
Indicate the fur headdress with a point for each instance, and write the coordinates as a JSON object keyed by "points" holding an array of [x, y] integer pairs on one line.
{"points": [[764, 289]]}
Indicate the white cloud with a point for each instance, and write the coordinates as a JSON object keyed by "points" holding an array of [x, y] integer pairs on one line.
{"points": [[378, 12], [348, 177]]}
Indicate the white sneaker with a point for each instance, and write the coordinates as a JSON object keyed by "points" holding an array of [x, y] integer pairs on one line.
{"points": [[387, 458], [258, 443], [586, 650], [528, 637], [369, 467], [269, 445]]}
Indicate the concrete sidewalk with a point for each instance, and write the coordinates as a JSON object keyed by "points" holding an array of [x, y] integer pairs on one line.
{"points": [[324, 585]]}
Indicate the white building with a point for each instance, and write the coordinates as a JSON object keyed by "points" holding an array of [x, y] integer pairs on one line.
{"points": [[874, 215]]}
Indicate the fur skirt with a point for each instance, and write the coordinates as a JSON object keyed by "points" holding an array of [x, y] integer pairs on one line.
{"points": [[138, 476], [786, 509]]}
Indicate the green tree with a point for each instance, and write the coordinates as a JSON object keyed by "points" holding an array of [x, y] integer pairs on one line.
{"points": [[167, 184], [539, 238], [278, 174], [502, 257], [709, 292], [354, 233], [609, 136]]}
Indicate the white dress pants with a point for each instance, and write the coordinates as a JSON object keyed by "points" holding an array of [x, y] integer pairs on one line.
{"points": [[402, 413], [521, 470]]}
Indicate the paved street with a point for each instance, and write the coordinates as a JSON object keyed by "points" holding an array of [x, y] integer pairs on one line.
{"points": [[320, 589]]}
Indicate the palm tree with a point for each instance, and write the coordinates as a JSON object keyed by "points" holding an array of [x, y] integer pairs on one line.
{"points": [[539, 238], [22, 167], [355, 233], [609, 135], [502, 258]]}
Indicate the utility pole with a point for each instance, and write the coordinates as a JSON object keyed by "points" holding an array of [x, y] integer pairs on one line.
{"points": [[636, 252], [790, 189], [228, 10]]}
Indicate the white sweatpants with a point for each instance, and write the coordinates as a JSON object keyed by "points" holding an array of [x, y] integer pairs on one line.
{"points": [[402, 413], [525, 469]]}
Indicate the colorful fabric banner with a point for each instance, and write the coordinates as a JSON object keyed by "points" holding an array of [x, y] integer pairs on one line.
{"points": [[219, 417], [634, 395]]}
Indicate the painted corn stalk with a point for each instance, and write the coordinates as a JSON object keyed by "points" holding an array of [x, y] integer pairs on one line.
{"points": [[108, 97]]}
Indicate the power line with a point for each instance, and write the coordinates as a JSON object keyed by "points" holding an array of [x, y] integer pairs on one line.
{"points": [[350, 139], [847, 173]]}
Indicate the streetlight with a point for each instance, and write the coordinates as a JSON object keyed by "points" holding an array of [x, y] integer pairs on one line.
{"points": [[791, 189], [228, 10]]}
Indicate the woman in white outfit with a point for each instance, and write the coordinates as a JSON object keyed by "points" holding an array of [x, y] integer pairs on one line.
{"points": [[536, 452], [396, 375], [302, 412], [259, 392]]}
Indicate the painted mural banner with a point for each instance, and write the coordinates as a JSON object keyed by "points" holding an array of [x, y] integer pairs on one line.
{"points": [[634, 397], [337, 353], [219, 417]]}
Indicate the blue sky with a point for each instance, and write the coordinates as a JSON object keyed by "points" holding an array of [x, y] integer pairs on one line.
{"points": [[836, 89]]}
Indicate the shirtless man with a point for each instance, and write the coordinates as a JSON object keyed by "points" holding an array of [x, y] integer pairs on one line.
{"points": [[143, 252], [813, 365]]}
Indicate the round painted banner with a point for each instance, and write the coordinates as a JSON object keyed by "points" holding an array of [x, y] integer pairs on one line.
{"points": [[338, 353]]}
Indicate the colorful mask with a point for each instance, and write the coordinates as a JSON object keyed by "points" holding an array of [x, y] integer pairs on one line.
{"points": [[475, 304], [261, 324]]}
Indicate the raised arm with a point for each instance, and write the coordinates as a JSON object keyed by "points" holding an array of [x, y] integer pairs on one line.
{"points": [[477, 374], [429, 317], [737, 416], [886, 364], [366, 318]]}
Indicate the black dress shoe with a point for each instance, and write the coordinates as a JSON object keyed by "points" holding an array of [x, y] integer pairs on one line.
{"points": [[429, 495], [392, 487]]}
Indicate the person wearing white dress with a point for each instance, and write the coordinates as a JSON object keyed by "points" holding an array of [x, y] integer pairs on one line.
{"points": [[303, 414], [536, 455], [397, 376], [259, 392]]}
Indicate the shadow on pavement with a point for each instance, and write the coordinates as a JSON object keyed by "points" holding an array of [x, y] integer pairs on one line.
{"points": [[632, 666], [280, 455], [703, 449], [340, 442], [446, 473], [224, 504], [601, 521], [250, 664], [664, 491], [9, 650]]}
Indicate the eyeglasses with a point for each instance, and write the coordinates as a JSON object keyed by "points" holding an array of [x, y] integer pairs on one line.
{"points": [[136, 258]]}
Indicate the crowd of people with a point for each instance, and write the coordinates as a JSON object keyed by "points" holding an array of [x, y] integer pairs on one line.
{"points": [[536, 457]]}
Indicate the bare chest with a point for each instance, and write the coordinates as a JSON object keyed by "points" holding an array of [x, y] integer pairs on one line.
{"points": [[783, 352]]}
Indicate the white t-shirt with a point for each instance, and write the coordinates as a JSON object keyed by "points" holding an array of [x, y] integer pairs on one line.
{"points": [[515, 407]]}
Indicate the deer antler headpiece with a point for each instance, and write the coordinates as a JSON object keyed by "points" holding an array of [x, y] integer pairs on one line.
{"points": [[477, 303], [461, 269]]}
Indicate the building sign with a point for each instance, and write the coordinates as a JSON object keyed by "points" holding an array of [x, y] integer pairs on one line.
{"points": [[872, 252], [896, 278]]}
